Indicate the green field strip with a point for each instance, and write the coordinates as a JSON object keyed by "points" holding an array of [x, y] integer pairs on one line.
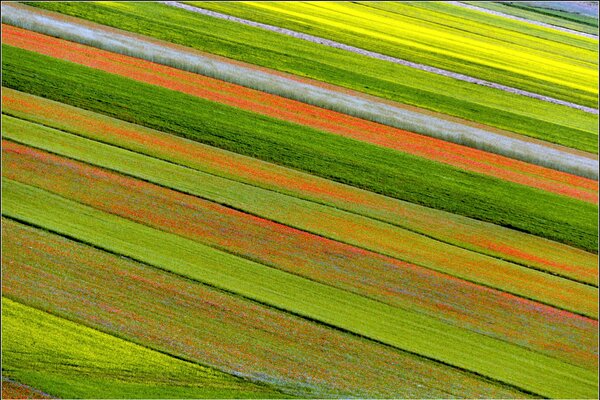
{"points": [[526, 27], [315, 218], [553, 17], [549, 122], [327, 155], [367, 274], [73, 361], [408, 331], [527, 250], [457, 44], [219, 329]]}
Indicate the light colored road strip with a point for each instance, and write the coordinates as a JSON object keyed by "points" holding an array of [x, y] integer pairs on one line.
{"points": [[529, 21], [164, 53], [380, 56]]}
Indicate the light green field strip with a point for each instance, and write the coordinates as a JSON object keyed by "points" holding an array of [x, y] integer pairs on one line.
{"points": [[510, 245], [405, 330], [440, 38], [577, 25], [69, 360], [316, 218]]}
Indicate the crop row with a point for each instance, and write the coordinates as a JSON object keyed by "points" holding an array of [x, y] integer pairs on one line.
{"points": [[550, 122], [325, 221], [318, 118], [557, 18], [330, 156], [458, 44], [259, 343], [474, 235], [362, 272], [396, 327], [73, 361]]}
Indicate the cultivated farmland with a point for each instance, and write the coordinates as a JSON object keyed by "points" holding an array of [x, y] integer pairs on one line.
{"points": [[299, 200]]}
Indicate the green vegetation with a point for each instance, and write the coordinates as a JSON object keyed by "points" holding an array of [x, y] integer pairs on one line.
{"points": [[582, 23], [531, 250], [315, 218], [69, 360], [250, 337], [531, 117], [461, 43], [397, 175], [399, 328]]}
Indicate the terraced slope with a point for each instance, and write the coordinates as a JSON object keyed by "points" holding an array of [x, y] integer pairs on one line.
{"points": [[554, 123]]}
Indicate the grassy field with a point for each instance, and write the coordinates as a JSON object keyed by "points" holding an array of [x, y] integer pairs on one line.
{"points": [[510, 245], [563, 19], [399, 328], [67, 359], [336, 264], [293, 111], [257, 342], [344, 160], [461, 43], [312, 217], [549, 122]]}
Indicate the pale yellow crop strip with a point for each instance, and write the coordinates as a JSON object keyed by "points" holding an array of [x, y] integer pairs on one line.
{"points": [[431, 38]]}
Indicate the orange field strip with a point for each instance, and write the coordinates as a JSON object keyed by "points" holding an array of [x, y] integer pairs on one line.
{"points": [[293, 111]]}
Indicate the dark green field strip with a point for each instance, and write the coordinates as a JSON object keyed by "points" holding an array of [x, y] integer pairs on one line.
{"points": [[525, 369], [519, 61], [538, 119], [69, 360], [344, 160], [299, 356], [384, 279], [311, 217]]}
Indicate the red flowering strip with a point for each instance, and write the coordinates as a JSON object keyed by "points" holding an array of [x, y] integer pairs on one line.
{"points": [[507, 244], [386, 279], [214, 328], [15, 390], [294, 111]]}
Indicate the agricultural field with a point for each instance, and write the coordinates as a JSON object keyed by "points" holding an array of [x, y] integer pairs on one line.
{"points": [[299, 200]]}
